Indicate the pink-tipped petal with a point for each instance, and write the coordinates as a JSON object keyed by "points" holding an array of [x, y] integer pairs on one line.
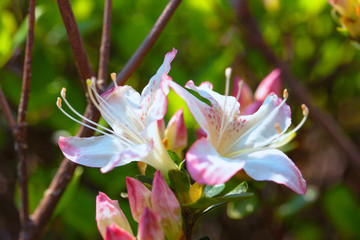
{"points": [[206, 166], [200, 133], [153, 99], [167, 206], [108, 212], [251, 108], [150, 226], [271, 83], [176, 131], [92, 151], [161, 127], [245, 97], [203, 113], [139, 197], [274, 165], [133, 153], [113, 232]]}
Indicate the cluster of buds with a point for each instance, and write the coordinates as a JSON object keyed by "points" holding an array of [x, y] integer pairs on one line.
{"points": [[349, 15], [158, 212]]}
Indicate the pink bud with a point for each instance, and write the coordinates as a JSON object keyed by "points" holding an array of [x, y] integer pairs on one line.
{"points": [[150, 226], [139, 197], [167, 206], [245, 96], [271, 83], [200, 133], [113, 232], [108, 212], [176, 132]]}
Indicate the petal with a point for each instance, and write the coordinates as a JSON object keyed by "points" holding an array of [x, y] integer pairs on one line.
{"points": [[149, 226], [252, 108], [153, 99], [113, 232], [132, 153], [176, 132], [205, 116], [167, 206], [217, 100], [200, 133], [261, 128], [272, 83], [108, 212], [274, 165], [206, 166], [245, 96], [121, 109], [139, 197], [92, 151]]}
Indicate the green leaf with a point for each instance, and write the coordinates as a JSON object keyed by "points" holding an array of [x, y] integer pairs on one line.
{"points": [[144, 179], [202, 203], [180, 183], [234, 197], [150, 171], [174, 157], [212, 191], [241, 188]]}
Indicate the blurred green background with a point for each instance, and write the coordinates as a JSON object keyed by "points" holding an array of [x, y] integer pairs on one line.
{"points": [[208, 40]]}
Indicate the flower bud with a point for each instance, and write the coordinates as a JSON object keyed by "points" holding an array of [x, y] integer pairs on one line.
{"points": [[271, 83], [150, 226], [167, 206], [176, 133], [108, 212], [113, 232], [139, 197]]}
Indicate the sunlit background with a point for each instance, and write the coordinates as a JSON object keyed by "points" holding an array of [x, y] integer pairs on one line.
{"points": [[207, 36]]}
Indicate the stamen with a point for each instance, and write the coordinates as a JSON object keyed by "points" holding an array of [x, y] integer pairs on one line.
{"points": [[227, 84], [113, 78], [277, 128], [285, 94], [58, 103], [109, 116], [241, 83]]}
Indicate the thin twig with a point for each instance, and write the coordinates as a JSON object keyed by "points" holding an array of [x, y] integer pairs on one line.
{"points": [[81, 60], [148, 42], [105, 46], [20, 142], [254, 37], [7, 113]]}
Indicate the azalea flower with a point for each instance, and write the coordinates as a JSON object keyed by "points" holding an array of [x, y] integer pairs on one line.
{"points": [[158, 212], [236, 142], [134, 134]]}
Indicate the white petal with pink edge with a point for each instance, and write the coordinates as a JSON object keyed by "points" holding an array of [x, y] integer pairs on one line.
{"points": [[274, 165], [206, 166]]}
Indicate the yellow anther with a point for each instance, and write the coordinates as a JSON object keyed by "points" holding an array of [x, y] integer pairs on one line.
{"points": [[285, 94], [305, 110], [113, 76], [58, 102], [88, 82], [63, 92], [278, 128]]}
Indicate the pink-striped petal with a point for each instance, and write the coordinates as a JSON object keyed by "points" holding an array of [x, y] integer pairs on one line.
{"points": [[108, 212], [113, 232], [139, 197], [150, 226], [274, 165], [206, 166], [153, 100], [167, 206], [272, 83]]}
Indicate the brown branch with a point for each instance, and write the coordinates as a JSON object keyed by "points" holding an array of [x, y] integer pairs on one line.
{"points": [[149, 41], [254, 38], [105, 46], [7, 113], [81, 60], [20, 143]]}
